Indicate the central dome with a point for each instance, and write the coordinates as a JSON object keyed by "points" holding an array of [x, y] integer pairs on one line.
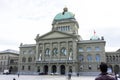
{"points": [[64, 15]]}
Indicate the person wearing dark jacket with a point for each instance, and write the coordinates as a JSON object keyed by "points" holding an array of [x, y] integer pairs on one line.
{"points": [[104, 75]]}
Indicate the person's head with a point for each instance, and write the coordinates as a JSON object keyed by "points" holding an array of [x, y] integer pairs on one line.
{"points": [[103, 67]]}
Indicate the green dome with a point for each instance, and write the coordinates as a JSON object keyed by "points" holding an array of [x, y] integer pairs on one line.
{"points": [[64, 15]]}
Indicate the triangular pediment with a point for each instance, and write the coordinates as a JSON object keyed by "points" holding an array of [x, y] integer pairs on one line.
{"points": [[55, 35]]}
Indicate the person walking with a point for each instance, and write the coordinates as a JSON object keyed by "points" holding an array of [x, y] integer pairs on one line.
{"points": [[69, 76], [18, 74], [104, 75]]}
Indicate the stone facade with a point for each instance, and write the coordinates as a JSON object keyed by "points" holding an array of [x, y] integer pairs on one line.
{"points": [[62, 50], [9, 61], [113, 60]]}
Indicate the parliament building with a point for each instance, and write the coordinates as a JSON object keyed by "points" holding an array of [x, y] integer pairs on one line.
{"points": [[62, 50]]}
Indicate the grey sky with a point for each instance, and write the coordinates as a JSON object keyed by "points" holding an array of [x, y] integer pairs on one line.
{"points": [[22, 20]]}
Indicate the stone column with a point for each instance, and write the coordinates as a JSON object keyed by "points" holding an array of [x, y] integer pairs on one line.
{"points": [[41, 68], [49, 69], [67, 50], [58, 69], [74, 50], [50, 50], [59, 50], [43, 52], [67, 69], [74, 69], [37, 52]]}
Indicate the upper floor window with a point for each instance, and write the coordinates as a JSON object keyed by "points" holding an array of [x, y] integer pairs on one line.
{"points": [[24, 52], [63, 51], [30, 59], [55, 51], [23, 59], [80, 49], [89, 49], [11, 61], [97, 48], [5, 57], [30, 51], [47, 52]]}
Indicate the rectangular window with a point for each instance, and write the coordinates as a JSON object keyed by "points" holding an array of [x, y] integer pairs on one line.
{"points": [[89, 49], [97, 48], [30, 52], [80, 49], [24, 52]]}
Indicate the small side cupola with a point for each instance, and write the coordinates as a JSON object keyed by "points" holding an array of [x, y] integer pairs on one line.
{"points": [[95, 37]]}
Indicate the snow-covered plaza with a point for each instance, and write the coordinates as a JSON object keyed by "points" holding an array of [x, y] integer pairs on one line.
{"points": [[44, 77]]}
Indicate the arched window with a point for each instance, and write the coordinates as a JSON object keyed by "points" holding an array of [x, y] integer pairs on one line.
{"points": [[55, 51], [63, 51], [89, 58], [30, 59], [97, 58], [23, 59], [47, 52]]}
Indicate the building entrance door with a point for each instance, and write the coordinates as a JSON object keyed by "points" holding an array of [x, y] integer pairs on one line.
{"points": [[54, 69], [116, 69], [46, 69], [62, 69]]}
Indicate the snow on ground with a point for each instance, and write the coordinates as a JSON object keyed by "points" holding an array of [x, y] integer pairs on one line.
{"points": [[44, 77]]}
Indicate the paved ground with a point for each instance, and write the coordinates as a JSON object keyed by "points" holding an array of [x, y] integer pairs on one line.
{"points": [[44, 77]]}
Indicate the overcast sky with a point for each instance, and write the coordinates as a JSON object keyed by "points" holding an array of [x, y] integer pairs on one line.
{"points": [[22, 20]]}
